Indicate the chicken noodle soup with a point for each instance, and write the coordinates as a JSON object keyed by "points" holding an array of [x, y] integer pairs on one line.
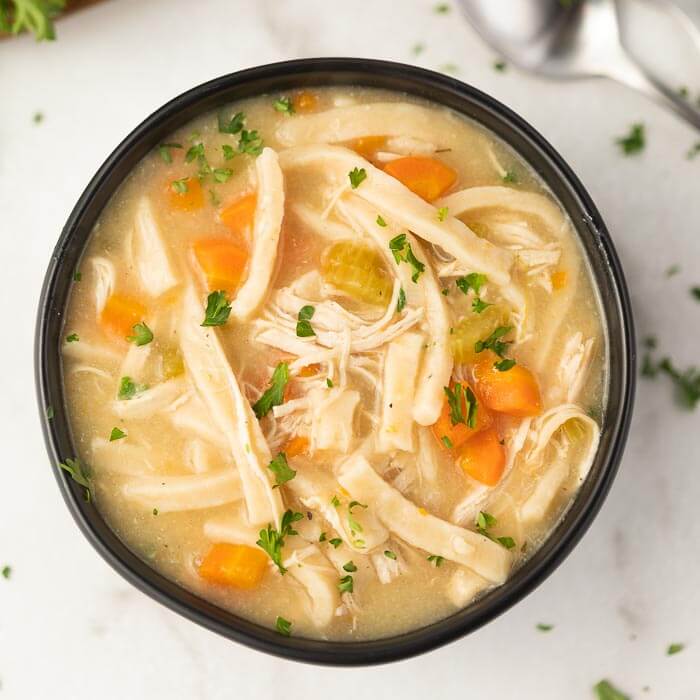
{"points": [[334, 361]]}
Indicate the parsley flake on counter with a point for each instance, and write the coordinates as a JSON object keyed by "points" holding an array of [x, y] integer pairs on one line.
{"points": [[500, 66], [441, 8], [542, 627], [695, 293], [128, 389], [634, 142], [673, 270], [274, 394], [674, 648], [72, 338], [284, 627], [77, 472], [417, 49], [357, 176], [116, 434], [436, 560], [6, 571], [271, 540], [304, 329], [164, 151], [694, 151], [38, 117], [218, 309], [402, 251], [142, 334], [607, 691], [281, 469], [345, 585], [284, 104]]}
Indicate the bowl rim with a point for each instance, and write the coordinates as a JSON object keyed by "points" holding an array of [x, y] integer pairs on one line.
{"points": [[56, 431]]}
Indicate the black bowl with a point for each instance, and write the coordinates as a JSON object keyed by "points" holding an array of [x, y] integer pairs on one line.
{"points": [[605, 268]]}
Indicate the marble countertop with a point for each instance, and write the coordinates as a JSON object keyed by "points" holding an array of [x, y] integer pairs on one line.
{"points": [[71, 628]]}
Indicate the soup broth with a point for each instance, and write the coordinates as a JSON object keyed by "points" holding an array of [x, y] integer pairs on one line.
{"points": [[334, 361]]}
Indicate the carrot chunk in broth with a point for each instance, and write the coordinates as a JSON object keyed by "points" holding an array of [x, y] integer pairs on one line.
{"points": [[235, 565], [427, 177], [305, 101], [120, 314], [559, 279], [185, 194], [514, 392], [483, 458], [452, 435], [298, 445], [222, 262], [239, 216], [367, 146]]}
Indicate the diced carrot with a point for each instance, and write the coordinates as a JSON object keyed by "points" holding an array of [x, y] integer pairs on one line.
{"points": [[305, 101], [310, 370], [483, 457], [120, 314], [558, 279], [298, 445], [514, 392], [427, 177], [221, 261], [367, 146], [234, 565], [457, 434], [186, 196], [240, 214]]}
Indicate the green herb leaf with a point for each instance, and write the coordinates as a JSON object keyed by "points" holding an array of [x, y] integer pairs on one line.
{"points": [[441, 8], [493, 342], [507, 542], [510, 178], [164, 151], [222, 174], [436, 560], [218, 309], [389, 554], [673, 270], [485, 521], [6, 571], [228, 152], [694, 150], [329, 383], [459, 398], [37, 117], [271, 540], [75, 468], [116, 434], [194, 152], [231, 126], [606, 691], [417, 49], [336, 542], [142, 334], [445, 292], [357, 175], [284, 627], [274, 395], [500, 66], [335, 501], [402, 252], [350, 566], [542, 627], [442, 213], [380, 221], [284, 104], [504, 365], [474, 280], [634, 142], [674, 648], [128, 389], [447, 442], [345, 585], [155, 511], [355, 504], [304, 329], [49, 412], [281, 469], [401, 303], [322, 537], [687, 383], [695, 293], [251, 143], [35, 16], [479, 306], [77, 276], [180, 186], [72, 338]]}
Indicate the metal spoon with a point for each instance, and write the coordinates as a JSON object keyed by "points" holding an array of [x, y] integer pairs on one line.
{"points": [[574, 39]]}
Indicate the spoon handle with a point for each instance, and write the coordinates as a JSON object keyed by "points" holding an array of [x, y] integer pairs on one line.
{"points": [[626, 71]]}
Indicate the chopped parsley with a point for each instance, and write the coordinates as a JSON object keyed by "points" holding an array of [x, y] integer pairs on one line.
{"points": [[695, 293], [78, 473], [194, 151], [380, 221], [72, 338], [484, 522], [116, 434], [389, 554], [457, 399], [284, 627], [449, 68], [155, 511], [345, 585], [402, 251], [128, 389], [250, 142], [38, 117], [606, 691], [180, 186], [336, 542], [222, 175], [401, 303], [442, 213], [304, 329], [349, 566], [49, 412], [356, 504], [164, 151], [357, 176], [436, 559], [335, 501], [281, 469], [284, 104], [274, 394], [447, 442], [542, 627], [673, 270], [218, 309], [417, 49], [474, 280], [445, 292], [500, 66], [494, 342], [441, 8], [510, 177], [504, 365], [233, 125], [674, 648], [271, 540], [479, 305], [694, 151], [322, 537], [77, 276], [329, 383], [228, 152], [142, 334], [634, 142], [687, 383], [683, 92], [6, 571]]}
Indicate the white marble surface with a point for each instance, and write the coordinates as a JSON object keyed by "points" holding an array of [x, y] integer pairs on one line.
{"points": [[71, 628]]}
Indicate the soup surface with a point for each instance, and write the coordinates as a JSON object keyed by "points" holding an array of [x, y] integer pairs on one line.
{"points": [[334, 361]]}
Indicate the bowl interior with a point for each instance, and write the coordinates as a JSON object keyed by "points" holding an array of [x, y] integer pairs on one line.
{"points": [[605, 270]]}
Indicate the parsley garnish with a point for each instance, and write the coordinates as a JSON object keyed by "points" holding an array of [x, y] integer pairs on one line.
{"points": [[75, 468], [72, 338], [504, 365], [34, 16], [380, 221], [284, 104], [674, 649], [195, 151], [77, 276], [222, 175], [694, 150], [228, 152], [479, 305], [251, 143], [436, 559], [542, 627], [274, 394], [634, 142], [6, 571], [271, 540], [606, 691], [402, 251], [345, 585], [336, 542], [116, 434], [164, 151], [357, 176], [442, 213], [456, 399], [510, 177], [218, 309], [128, 389], [417, 49], [284, 627], [214, 198], [493, 342], [142, 334], [38, 117], [349, 566], [474, 280], [155, 511], [401, 303], [322, 537], [329, 383], [673, 270], [180, 186], [281, 469], [304, 329], [335, 501], [447, 442], [232, 125], [687, 383], [695, 293], [485, 521], [389, 554], [49, 412]]}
